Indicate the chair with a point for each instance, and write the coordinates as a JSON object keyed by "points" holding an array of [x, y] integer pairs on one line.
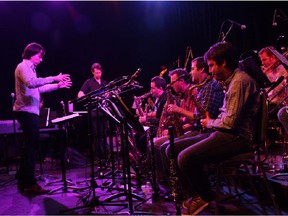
{"points": [[248, 166]]}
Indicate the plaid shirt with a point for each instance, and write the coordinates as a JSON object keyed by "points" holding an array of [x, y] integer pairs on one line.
{"points": [[239, 107], [211, 96]]}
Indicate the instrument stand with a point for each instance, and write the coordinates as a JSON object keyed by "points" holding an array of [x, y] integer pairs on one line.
{"points": [[156, 190], [111, 156], [63, 130], [154, 184], [174, 179]]}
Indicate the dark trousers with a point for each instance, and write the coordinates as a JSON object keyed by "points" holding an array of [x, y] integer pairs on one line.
{"points": [[98, 134], [29, 124], [195, 151]]}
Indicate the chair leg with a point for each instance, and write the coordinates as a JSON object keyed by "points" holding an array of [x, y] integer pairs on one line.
{"points": [[270, 190], [217, 195]]}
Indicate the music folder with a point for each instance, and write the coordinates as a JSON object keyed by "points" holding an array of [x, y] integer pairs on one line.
{"points": [[65, 118]]}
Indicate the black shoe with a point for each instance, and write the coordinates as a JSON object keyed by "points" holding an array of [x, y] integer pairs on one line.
{"points": [[163, 182], [34, 190], [169, 197]]}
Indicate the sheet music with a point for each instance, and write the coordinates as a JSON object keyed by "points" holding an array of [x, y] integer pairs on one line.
{"points": [[65, 118]]}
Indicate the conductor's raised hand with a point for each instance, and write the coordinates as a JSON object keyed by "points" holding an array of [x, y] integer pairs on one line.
{"points": [[65, 84], [62, 77]]}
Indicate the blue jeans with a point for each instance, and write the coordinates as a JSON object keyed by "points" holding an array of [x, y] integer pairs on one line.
{"points": [[195, 151]]}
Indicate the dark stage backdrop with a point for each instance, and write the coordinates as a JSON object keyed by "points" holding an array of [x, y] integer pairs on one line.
{"points": [[123, 36]]}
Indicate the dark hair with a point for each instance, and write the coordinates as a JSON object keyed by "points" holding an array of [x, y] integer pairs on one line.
{"points": [[96, 66], [201, 63], [267, 50], [222, 51], [32, 49], [180, 72], [159, 82]]}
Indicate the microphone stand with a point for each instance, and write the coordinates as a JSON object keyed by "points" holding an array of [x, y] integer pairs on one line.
{"points": [[14, 135], [225, 35]]}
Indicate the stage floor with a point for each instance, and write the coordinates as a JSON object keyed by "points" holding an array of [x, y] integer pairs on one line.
{"points": [[61, 202]]}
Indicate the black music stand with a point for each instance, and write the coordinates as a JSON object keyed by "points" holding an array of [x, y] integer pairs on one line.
{"points": [[250, 63], [126, 118], [62, 124], [94, 202]]}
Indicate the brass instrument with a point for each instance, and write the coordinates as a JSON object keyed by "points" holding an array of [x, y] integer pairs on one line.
{"points": [[200, 109], [271, 67], [162, 72], [138, 106], [138, 101], [167, 119]]}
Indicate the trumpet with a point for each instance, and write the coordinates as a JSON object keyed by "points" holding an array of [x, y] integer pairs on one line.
{"points": [[271, 67]]}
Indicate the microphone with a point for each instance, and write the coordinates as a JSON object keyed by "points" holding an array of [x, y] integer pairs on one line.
{"points": [[135, 75], [63, 106], [178, 62], [13, 98], [274, 23], [275, 84], [242, 27]]}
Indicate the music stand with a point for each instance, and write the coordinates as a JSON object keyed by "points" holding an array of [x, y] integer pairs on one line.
{"points": [[43, 122], [62, 124], [126, 119], [250, 63], [94, 202]]}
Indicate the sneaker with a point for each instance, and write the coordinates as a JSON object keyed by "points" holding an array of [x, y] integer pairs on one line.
{"points": [[186, 203], [197, 205]]}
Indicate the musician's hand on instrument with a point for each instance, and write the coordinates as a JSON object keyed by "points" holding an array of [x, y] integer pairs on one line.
{"points": [[204, 122], [172, 108], [165, 132], [186, 127], [142, 119]]}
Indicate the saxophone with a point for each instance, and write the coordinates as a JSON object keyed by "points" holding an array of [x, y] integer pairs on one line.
{"points": [[198, 106], [167, 119]]}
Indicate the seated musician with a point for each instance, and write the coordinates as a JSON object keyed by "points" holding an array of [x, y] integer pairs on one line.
{"points": [[273, 67], [233, 131], [209, 96], [158, 91]]}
